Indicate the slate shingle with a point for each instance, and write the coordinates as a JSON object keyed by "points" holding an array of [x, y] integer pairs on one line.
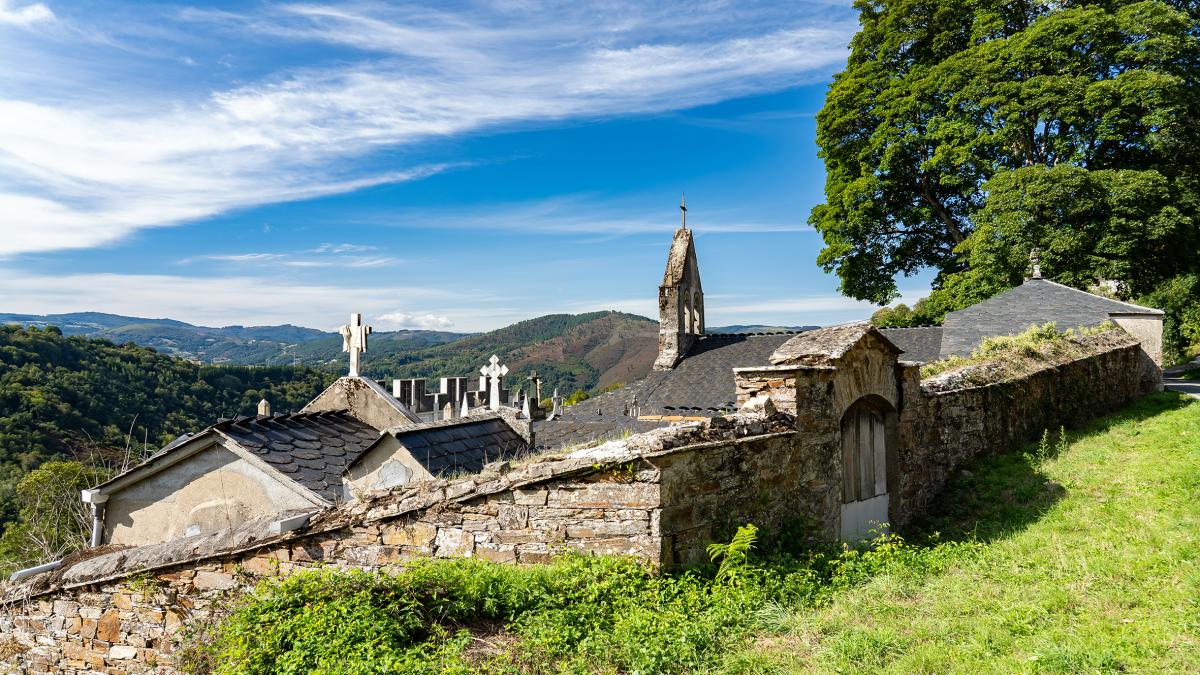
{"points": [[1035, 302], [462, 445], [919, 344], [311, 448]]}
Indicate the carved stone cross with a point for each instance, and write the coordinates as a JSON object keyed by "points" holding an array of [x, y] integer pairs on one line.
{"points": [[493, 371], [354, 340], [537, 386]]}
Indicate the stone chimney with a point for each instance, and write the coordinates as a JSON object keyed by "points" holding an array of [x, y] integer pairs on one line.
{"points": [[264, 408]]}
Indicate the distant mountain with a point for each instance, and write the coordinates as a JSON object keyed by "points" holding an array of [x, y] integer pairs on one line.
{"points": [[568, 351], [755, 328], [240, 345]]}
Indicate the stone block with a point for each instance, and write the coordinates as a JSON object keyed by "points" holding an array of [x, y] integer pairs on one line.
{"points": [[108, 628], [453, 542], [496, 553], [528, 497], [513, 517], [122, 652], [206, 580], [411, 534], [66, 608]]}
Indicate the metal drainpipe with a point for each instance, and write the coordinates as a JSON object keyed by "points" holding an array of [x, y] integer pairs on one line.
{"points": [[97, 525]]}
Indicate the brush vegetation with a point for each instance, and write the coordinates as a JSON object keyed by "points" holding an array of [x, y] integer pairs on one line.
{"points": [[1075, 554], [1012, 356]]}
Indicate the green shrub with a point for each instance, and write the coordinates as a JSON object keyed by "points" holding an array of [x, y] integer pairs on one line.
{"points": [[579, 614]]}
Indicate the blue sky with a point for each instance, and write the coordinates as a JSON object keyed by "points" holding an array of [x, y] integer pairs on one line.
{"points": [[456, 166]]}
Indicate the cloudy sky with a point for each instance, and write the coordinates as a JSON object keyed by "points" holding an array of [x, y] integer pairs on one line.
{"points": [[441, 165]]}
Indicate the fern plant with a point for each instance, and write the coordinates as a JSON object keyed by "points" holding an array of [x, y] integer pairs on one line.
{"points": [[734, 556]]}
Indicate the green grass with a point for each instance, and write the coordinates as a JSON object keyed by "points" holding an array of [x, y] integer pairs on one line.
{"points": [[1090, 562], [1079, 554]]}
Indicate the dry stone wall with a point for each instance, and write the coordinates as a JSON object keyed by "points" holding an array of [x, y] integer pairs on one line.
{"points": [[118, 610], [662, 496], [943, 425]]}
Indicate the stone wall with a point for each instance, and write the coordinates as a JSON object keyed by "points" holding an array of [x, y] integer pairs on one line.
{"points": [[943, 425], [117, 609], [662, 495]]}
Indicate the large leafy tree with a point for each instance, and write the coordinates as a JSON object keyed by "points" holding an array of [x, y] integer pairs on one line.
{"points": [[965, 132]]}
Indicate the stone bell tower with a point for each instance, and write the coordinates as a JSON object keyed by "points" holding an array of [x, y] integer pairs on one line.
{"points": [[680, 299]]}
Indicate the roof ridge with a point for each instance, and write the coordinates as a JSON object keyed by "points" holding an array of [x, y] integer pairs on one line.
{"points": [[1142, 309]]}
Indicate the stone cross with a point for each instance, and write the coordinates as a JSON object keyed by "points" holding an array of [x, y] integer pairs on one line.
{"points": [[354, 340], [1035, 262], [537, 386], [558, 402], [493, 371]]}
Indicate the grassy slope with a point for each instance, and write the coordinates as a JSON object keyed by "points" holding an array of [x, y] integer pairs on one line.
{"points": [[1091, 562]]}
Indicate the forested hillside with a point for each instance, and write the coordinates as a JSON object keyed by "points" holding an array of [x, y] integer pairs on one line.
{"points": [[239, 345], [568, 351], [62, 396]]}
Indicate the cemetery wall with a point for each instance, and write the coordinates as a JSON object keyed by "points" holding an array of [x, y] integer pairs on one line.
{"points": [[944, 424], [118, 610], [662, 496]]}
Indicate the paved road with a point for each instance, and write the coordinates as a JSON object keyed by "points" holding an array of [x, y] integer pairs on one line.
{"points": [[1189, 387]]}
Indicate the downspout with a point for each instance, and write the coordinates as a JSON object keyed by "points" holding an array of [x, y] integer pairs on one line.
{"points": [[96, 499]]}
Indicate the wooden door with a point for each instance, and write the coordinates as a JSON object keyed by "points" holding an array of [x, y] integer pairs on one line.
{"points": [[864, 473]]}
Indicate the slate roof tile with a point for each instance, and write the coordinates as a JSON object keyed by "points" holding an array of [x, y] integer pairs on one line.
{"points": [[465, 444], [701, 385], [919, 344], [311, 448], [1035, 302]]}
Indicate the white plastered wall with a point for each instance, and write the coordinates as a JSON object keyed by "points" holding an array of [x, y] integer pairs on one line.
{"points": [[211, 490], [1147, 330], [387, 465]]}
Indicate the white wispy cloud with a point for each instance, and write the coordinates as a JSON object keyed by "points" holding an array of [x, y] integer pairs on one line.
{"points": [[327, 255], [244, 300], [579, 214], [424, 321], [79, 169], [24, 15]]}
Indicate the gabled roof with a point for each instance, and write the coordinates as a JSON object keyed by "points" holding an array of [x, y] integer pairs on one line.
{"points": [[464, 444], [701, 385], [309, 449], [312, 449], [1035, 302], [824, 346]]}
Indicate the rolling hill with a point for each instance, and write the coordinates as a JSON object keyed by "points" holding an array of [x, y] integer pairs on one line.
{"points": [[238, 345], [568, 351], [582, 351]]}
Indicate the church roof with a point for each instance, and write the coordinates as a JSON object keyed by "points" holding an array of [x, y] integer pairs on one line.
{"points": [[1035, 302], [311, 448], [920, 344], [700, 385], [464, 444]]}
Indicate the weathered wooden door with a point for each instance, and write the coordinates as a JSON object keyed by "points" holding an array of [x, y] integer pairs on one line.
{"points": [[864, 472]]}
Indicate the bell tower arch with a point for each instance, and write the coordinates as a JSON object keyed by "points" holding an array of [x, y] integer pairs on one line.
{"points": [[680, 299]]}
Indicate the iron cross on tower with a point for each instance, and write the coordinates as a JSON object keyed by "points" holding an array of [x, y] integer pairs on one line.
{"points": [[354, 340], [683, 208]]}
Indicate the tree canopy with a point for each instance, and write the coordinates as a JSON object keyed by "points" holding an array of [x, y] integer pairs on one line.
{"points": [[963, 133]]}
